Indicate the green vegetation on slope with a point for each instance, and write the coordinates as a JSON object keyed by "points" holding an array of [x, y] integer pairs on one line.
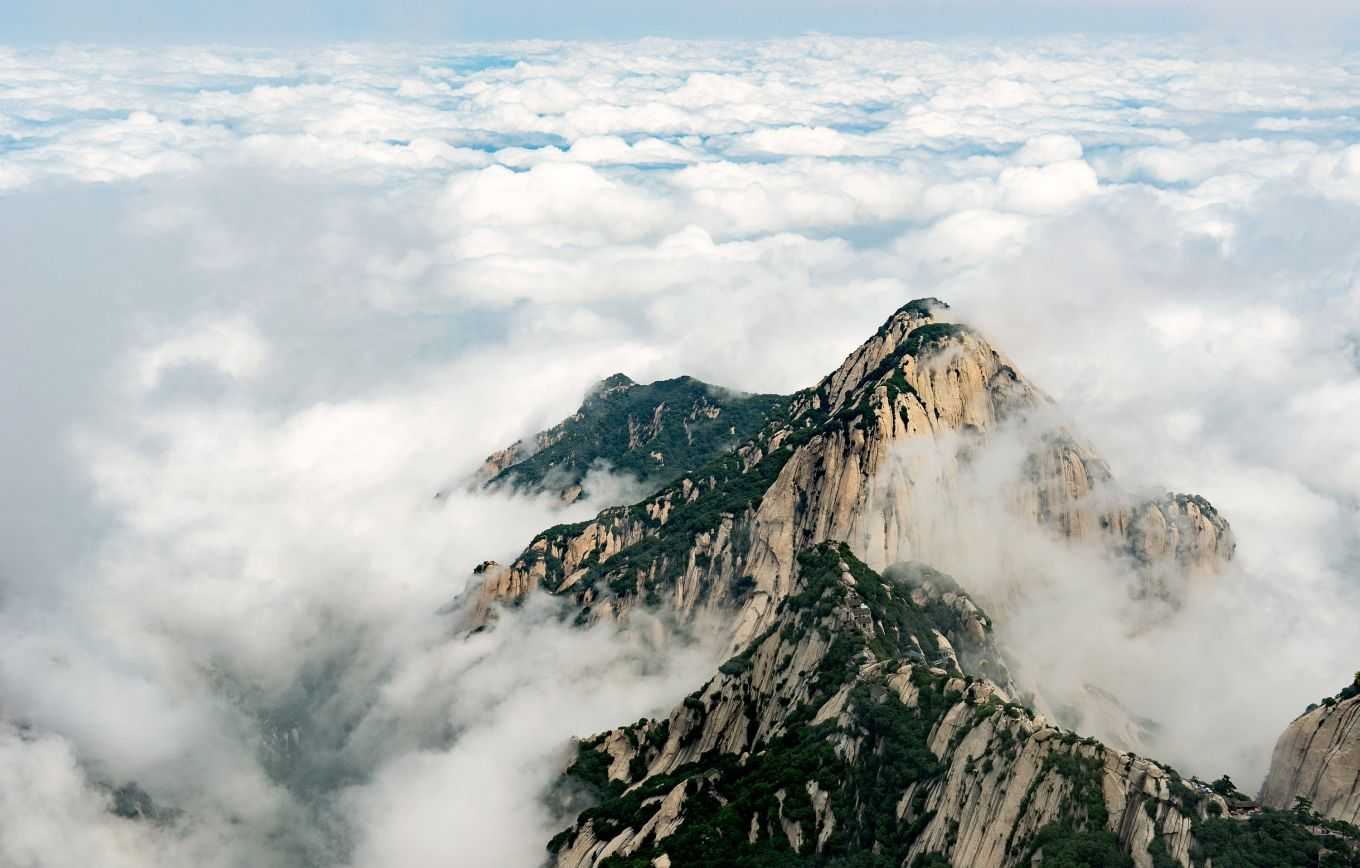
{"points": [[726, 796], [627, 425], [881, 792], [733, 491], [1081, 838], [1277, 839]]}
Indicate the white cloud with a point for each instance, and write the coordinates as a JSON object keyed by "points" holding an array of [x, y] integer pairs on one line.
{"points": [[965, 239], [233, 347], [603, 150], [1045, 149], [554, 203], [1048, 189], [808, 142], [51, 817]]}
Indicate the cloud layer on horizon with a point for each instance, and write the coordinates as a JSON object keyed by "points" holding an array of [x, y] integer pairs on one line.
{"points": [[143, 21], [263, 304]]}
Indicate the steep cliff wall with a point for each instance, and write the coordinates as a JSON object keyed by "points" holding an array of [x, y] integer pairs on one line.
{"points": [[1318, 758]]}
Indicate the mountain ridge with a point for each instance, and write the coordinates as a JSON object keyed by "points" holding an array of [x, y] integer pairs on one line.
{"points": [[812, 472], [652, 433], [847, 652]]}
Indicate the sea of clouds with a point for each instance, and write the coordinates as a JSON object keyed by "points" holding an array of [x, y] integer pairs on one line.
{"points": [[260, 306]]}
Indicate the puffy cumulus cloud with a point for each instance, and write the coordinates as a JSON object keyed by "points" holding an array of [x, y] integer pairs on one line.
{"points": [[554, 203], [264, 305], [1045, 149], [568, 681], [1195, 163], [741, 198], [1336, 174], [605, 150], [263, 615], [1047, 189], [232, 347], [965, 239], [808, 142]]}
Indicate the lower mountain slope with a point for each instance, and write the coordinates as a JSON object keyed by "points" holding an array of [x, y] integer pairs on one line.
{"points": [[856, 731]]}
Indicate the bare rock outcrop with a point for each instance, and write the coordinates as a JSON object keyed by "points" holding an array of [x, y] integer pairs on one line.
{"points": [[1318, 758]]}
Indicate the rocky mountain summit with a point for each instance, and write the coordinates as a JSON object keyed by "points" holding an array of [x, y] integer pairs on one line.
{"points": [[872, 455], [866, 715]]}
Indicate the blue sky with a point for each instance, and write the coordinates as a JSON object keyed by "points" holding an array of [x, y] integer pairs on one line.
{"points": [[30, 21]]}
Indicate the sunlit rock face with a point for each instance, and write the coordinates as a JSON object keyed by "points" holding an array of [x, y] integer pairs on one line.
{"points": [[1318, 758], [872, 455]]}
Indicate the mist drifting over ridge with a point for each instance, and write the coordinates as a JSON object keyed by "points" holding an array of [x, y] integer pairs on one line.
{"points": [[260, 311]]}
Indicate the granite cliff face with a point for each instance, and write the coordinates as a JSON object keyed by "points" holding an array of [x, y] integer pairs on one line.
{"points": [[872, 456], [1318, 758]]}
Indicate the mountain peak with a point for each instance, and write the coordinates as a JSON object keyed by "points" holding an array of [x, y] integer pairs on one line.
{"points": [[611, 383], [923, 307], [1316, 759], [913, 330], [915, 313], [725, 530]]}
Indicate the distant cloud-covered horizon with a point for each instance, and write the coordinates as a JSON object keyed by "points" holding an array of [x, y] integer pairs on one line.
{"points": [[136, 21]]}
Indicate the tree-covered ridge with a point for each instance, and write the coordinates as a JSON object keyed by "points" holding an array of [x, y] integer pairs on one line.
{"points": [[655, 433], [656, 537], [1276, 839]]}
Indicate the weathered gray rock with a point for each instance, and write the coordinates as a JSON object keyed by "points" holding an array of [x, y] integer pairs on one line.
{"points": [[1318, 757]]}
